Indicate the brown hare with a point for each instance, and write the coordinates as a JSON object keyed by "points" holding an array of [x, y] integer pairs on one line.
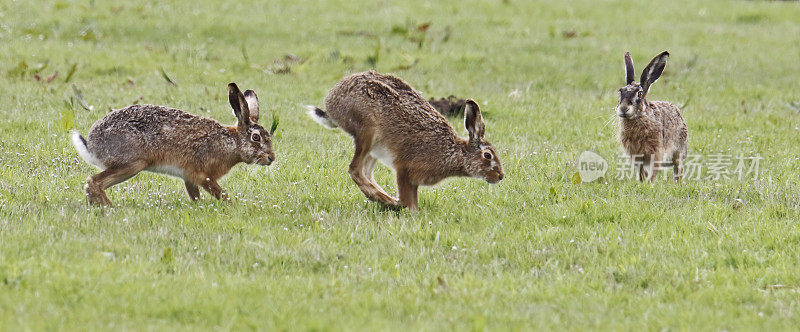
{"points": [[165, 140], [652, 133], [391, 122]]}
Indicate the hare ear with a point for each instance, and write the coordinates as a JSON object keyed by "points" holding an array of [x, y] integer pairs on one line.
{"points": [[653, 70], [473, 120], [252, 104], [239, 105], [629, 73]]}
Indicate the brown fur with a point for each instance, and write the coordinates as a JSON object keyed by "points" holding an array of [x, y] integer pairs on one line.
{"points": [[652, 133], [166, 140], [387, 117]]}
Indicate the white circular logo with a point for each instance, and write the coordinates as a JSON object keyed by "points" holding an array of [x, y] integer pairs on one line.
{"points": [[591, 166]]}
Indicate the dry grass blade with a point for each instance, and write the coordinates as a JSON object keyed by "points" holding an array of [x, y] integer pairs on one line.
{"points": [[713, 228], [166, 77], [71, 72], [78, 95], [275, 121]]}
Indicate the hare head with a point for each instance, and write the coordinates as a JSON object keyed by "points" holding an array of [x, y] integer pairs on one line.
{"points": [[255, 141], [482, 161], [632, 95]]}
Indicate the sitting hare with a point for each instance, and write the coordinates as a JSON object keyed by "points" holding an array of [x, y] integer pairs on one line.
{"points": [[652, 133], [164, 140], [391, 122]]}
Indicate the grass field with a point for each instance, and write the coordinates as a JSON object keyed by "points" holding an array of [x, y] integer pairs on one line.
{"points": [[300, 248]]}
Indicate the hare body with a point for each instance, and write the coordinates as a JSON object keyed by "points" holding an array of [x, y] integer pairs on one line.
{"points": [[169, 141], [652, 133], [390, 122]]}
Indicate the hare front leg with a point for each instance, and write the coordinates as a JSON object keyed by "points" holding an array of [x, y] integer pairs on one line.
{"points": [[654, 166], [192, 190], [214, 189], [642, 172], [407, 190], [648, 169], [98, 183]]}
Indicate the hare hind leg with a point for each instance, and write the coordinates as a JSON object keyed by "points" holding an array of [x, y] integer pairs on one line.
{"points": [[361, 166], [98, 183], [369, 166], [677, 166]]}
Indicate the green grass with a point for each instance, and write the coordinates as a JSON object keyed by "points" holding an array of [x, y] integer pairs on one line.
{"points": [[300, 248]]}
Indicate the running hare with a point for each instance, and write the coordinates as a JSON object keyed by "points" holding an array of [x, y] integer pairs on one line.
{"points": [[652, 133], [165, 140], [391, 122]]}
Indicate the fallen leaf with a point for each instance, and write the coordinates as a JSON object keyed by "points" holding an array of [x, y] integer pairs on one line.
{"points": [[50, 78], [441, 282], [424, 26]]}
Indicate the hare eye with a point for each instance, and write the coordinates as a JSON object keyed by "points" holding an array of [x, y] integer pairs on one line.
{"points": [[487, 155], [639, 94], [256, 137]]}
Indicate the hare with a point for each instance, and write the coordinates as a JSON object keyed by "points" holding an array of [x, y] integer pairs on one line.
{"points": [[165, 140], [652, 132], [391, 122]]}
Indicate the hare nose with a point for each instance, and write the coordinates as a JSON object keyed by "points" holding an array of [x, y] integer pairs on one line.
{"points": [[500, 177]]}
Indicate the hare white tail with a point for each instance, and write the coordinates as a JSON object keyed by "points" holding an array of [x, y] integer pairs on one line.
{"points": [[83, 151], [320, 116]]}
